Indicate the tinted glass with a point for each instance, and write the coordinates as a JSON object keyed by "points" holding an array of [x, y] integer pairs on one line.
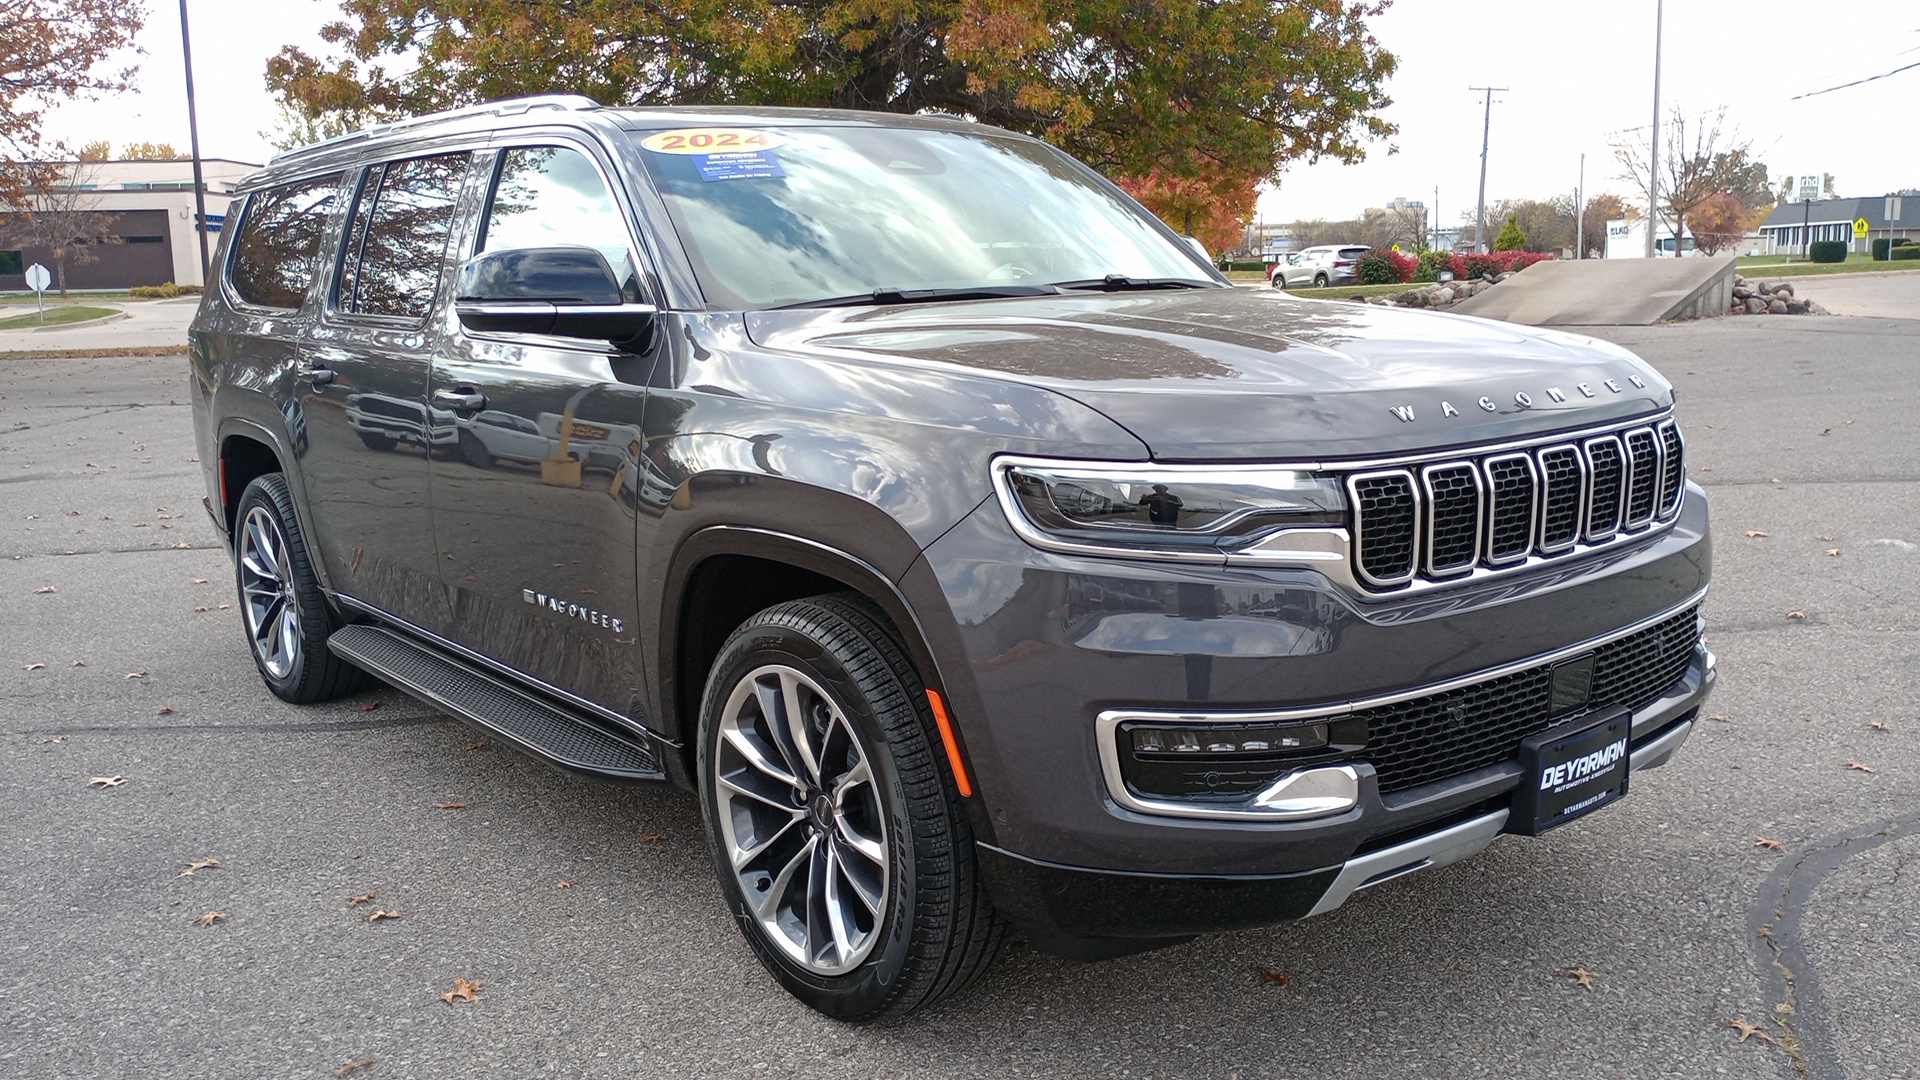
{"points": [[776, 216], [552, 196], [401, 224], [273, 253]]}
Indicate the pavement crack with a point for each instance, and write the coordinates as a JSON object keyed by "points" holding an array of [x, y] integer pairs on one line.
{"points": [[1774, 928]]}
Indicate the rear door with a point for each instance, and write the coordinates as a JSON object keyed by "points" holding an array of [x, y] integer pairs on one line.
{"points": [[365, 389], [535, 509]]}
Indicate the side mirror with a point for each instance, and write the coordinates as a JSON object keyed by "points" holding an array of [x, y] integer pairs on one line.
{"points": [[563, 291]]}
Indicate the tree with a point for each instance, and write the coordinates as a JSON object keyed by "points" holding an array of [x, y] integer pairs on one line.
{"points": [[1601, 209], [1693, 168], [1719, 222], [151, 151], [57, 212], [97, 150], [1511, 237], [51, 50], [1213, 212], [1236, 87]]}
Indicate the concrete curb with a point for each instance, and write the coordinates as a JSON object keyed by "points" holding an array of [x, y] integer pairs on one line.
{"points": [[77, 325]]}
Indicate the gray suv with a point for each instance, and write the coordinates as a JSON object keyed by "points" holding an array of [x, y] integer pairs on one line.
{"points": [[976, 554]]}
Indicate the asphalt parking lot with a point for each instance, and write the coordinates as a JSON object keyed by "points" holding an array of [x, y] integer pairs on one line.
{"points": [[589, 913]]}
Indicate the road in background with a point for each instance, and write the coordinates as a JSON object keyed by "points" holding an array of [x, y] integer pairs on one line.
{"points": [[149, 323], [590, 915]]}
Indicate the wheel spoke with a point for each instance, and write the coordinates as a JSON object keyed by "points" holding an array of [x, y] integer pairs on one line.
{"points": [[263, 626], [835, 909], [744, 854], [773, 710], [872, 850], [755, 756], [869, 896], [797, 728], [289, 633], [770, 902], [736, 783]]}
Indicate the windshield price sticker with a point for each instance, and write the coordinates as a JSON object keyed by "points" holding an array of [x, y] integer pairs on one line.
{"points": [[709, 140]]}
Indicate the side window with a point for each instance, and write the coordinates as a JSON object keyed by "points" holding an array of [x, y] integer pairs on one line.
{"points": [[273, 254], [401, 222], [552, 196]]}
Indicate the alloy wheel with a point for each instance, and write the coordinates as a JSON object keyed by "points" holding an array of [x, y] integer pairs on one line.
{"points": [[802, 819], [266, 594]]}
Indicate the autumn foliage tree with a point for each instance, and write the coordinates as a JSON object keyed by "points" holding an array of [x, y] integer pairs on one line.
{"points": [[1719, 222], [50, 51], [1224, 92], [1213, 210]]}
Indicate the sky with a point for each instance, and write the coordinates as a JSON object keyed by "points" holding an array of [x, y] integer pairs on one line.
{"points": [[1577, 75]]}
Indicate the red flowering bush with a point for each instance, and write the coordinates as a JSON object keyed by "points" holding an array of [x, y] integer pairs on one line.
{"points": [[1498, 262], [1384, 266]]}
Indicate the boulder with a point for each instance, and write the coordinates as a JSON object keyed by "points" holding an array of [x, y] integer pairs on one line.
{"points": [[1741, 292], [1756, 306], [1796, 307], [1442, 296], [1814, 308], [1784, 287], [1778, 307]]}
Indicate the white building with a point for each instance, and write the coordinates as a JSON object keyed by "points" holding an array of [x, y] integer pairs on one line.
{"points": [[154, 212]]}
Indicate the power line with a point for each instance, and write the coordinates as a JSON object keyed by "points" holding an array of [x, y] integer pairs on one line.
{"points": [[1856, 82]]}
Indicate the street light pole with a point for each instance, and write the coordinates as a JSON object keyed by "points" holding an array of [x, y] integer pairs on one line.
{"points": [[193, 134], [1653, 143], [1580, 212], [1486, 129]]}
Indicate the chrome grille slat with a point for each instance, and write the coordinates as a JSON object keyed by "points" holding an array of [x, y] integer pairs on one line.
{"points": [[1442, 519]]}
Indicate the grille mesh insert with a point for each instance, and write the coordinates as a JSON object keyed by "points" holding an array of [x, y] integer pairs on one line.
{"points": [[1386, 507], [1453, 492], [1603, 509], [1560, 470], [1645, 482], [1510, 522], [1675, 472]]}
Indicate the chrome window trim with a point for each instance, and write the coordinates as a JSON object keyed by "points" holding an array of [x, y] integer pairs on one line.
{"points": [[1479, 516], [1588, 531], [1359, 527], [1583, 493], [1492, 508], [1107, 723]]}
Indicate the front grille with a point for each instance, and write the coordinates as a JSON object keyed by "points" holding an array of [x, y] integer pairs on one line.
{"points": [[1497, 510], [1431, 738]]}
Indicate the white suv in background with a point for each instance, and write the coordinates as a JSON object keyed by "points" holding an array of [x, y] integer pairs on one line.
{"points": [[1328, 264]]}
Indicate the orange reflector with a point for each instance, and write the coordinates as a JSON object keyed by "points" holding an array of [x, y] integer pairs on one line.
{"points": [[953, 746]]}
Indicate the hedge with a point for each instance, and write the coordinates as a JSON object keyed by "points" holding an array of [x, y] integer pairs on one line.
{"points": [[1827, 251], [1881, 246], [1906, 251], [1242, 264], [166, 291]]}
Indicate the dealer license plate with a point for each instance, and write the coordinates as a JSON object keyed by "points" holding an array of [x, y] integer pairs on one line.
{"points": [[1571, 771]]}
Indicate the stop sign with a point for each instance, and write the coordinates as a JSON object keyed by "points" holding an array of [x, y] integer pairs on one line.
{"points": [[37, 278]]}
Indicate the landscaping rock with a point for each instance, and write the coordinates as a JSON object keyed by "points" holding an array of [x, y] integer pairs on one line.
{"points": [[1756, 306], [1778, 307], [1796, 307], [1741, 292], [1784, 287]]}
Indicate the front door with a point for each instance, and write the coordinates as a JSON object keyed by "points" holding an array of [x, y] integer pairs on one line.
{"points": [[534, 505], [365, 366]]}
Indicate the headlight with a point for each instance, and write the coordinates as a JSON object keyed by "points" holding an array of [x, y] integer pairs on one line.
{"points": [[1196, 513]]}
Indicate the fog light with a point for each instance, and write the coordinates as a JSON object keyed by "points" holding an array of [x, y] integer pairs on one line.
{"points": [[1235, 740]]}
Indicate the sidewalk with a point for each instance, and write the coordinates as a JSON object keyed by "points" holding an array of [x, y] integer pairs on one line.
{"points": [[149, 323]]}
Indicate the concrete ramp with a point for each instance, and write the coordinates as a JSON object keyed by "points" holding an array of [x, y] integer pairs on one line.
{"points": [[1608, 292]]}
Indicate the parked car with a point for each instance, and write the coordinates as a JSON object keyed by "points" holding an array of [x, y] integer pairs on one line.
{"points": [[1328, 264], [973, 552]]}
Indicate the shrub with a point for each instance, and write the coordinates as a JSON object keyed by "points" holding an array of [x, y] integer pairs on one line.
{"points": [[1241, 264], [1905, 251], [1465, 267], [1429, 265], [1883, 245], [165, 291], [1383, 266], [1827, 251], [1511, 236]]}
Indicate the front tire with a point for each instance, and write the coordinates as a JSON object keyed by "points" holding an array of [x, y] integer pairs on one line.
{"points": [[836, 830], [281, 604]]}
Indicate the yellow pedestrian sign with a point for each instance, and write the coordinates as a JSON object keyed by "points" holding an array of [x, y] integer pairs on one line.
{"points": [[1859, 227]]}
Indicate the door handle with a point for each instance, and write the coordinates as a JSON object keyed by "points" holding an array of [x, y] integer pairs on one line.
{"points": [[461, 400], [321, 376]]}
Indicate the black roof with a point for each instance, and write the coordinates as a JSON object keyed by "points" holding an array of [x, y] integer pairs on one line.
{"points": [[1792, 215]]}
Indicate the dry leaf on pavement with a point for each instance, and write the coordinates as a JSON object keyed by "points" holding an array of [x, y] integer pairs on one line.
{"points": [[107, 781], [203, 864], [44, 589], [210, 918], [1739, 1024], [563, 883], [357, 1063], [135, 675], [1580, 975], [463, 990], [199, 581], [36, 666], [449, 806], [1755, 532], [166, 710], [1879, 725], [382, 913], [1797, 616], [1833, 553], [1859, 766], [356, 901], [1275, 976], [369, 706], [1770, 845]]}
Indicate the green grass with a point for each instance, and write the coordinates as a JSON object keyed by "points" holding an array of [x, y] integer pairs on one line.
{"points": [[76, 296], [56, 315], [1858, 262], [1341, 292]]}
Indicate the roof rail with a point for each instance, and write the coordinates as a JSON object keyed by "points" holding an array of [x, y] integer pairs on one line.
{"points": [[499, 107]]}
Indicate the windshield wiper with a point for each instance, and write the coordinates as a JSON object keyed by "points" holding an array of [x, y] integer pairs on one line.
{"points": [[1122, 283], [923, 296]]}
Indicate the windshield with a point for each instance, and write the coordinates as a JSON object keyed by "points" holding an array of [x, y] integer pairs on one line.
{"points": [[778, 216]]}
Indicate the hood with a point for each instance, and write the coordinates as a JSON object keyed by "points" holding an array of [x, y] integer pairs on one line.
{"points": [[1221, 374]]}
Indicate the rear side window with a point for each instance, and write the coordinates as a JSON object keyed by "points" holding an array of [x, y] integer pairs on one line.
{"points": [[274, 251], [401, 223], [1352, 253]]}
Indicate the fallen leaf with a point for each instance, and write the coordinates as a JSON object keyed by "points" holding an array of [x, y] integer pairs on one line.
{"points": [[35, 666], [1278, 977], [1770, 845], [203, 864], [79, 663], [381, 913], [1755, 532], [356, 901], [224, 607], [1580, 975], [135, 675], [648, 838], [1721, 718], [1739, 1024], [369, 706], [464, 990], [1833, 553], [182, 545], [1776, 479], [449, 806], [357, 1063], [1879, 725], [199, 581], [166, 710], [1824, 536], [481, 745], [202, 607], [1860, 766], [107, 781], [1796, 615], [54, 739], [1826, 431], [210, 918]]}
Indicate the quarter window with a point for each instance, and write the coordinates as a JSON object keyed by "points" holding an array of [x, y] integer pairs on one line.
{"points": [[552, 196], [273, 254], [401, 223]]}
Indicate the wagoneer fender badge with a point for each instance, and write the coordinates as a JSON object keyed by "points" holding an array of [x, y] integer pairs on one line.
{"points": [[574, 611], [1523, 399]]}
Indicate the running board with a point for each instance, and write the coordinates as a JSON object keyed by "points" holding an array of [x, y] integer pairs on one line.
{"points": [[546, 732]]}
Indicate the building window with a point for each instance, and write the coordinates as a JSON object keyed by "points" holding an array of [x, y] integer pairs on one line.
{"points": [[11, 262], [143, 239]]}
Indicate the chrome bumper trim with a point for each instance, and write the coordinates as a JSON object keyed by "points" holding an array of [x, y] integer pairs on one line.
{"points": [[1661, 750], [1449, 845]]}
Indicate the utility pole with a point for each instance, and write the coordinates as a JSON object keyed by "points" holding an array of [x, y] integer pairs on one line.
{"points": [[1653, 143], [1486, 129], [193, 134], [1436, 216], [1580, 212]]}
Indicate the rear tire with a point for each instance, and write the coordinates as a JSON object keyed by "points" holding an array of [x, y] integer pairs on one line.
{"points": [[1319, 281], [282, 607], [837, 833]]}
